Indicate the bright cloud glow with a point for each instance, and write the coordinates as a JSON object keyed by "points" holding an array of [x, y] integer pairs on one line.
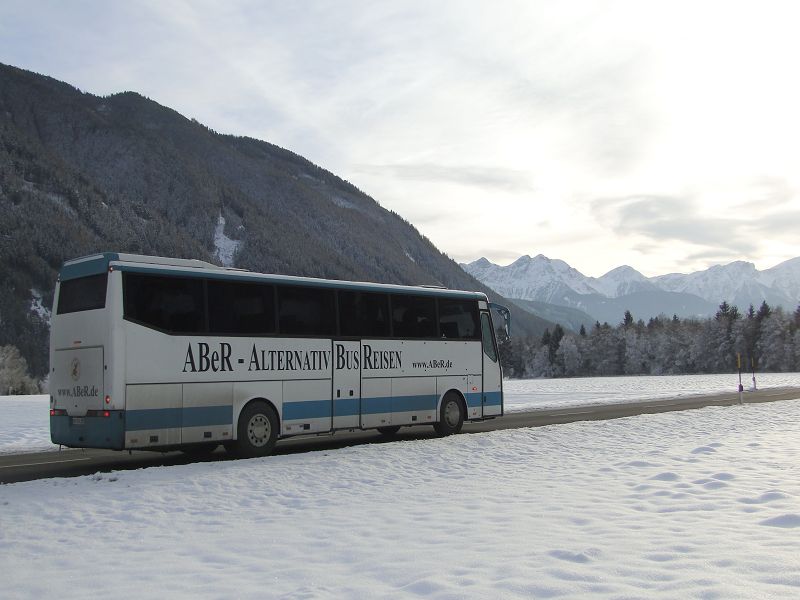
{"points": [[498, 129]]}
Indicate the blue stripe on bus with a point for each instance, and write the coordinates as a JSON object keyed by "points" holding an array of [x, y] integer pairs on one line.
{"points": [[309, 409], [346, 407], [412, 403], [473, 399], [321, 409], [171, 418], [493, 398], [199, 416], [374, 406]]}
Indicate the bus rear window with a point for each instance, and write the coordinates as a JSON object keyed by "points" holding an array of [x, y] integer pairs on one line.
{"points": [[83, 293]]}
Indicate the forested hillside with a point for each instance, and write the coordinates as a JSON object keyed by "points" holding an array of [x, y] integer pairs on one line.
{"points": [[80, 174]]}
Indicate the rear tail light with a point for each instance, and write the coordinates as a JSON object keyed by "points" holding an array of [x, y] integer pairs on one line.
{"points": [[57, 412], [108, 399], [98, 413]]}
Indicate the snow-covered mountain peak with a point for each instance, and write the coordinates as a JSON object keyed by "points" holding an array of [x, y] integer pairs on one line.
{"points": [[481, 263], [621, 281], [784, 277]]}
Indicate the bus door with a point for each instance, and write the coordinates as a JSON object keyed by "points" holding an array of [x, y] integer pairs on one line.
{"points": [[492, 375], [346, 384]]}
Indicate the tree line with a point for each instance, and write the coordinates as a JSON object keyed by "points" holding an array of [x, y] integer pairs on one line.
{"points": [[766, 339]]}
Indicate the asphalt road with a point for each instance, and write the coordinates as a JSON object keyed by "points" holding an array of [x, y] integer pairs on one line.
{"points": [[72, 463]]}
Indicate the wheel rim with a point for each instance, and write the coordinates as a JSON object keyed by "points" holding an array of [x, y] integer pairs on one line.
{"points": [[259, 430], [452, 413]]}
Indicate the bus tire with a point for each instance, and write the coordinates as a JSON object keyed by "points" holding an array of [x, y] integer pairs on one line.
{"points": [[451, 415], [389, 430], [257, 430]]}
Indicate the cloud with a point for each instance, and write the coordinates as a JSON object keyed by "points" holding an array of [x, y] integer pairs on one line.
{"points": [[729, 234], [440, 110], [486, 177]]}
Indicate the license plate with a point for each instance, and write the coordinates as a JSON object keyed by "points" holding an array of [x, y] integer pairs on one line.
{"points": [[78, 420]]}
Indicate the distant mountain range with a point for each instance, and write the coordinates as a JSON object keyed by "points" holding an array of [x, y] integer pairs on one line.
{"points": [[549, 285], [81, 174]]}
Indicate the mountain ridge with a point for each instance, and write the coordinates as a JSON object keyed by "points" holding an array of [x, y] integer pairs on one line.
{"points": [[696, 294]]}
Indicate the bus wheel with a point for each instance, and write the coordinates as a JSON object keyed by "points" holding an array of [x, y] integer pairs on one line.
{"points": [[451, 415], [258, 430], [389, 430]]}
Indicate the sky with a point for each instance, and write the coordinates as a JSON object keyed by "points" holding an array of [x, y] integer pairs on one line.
{"points": [[664, 136]]}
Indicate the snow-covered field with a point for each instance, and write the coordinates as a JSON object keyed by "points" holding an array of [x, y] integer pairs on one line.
{"points": [[24, 424], [704, 503], [528, 394]]}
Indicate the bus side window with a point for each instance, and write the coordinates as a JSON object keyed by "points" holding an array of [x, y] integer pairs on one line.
{"points": [[306, 311], [363, 314], [173, 304], [488, 340], [240, 307], [413, 316], [458, 319]]}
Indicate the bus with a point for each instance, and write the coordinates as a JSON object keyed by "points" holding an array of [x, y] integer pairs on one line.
{"points": [[153, 353]]}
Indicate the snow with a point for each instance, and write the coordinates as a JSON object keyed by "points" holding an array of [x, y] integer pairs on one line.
{"points": [[25, 426], [225, 247], [37, 306], [343, 202], [689, 504], [527, 394], [538, 278]]}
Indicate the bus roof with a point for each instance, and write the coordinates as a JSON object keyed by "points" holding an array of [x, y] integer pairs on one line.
{"points": [[100, 263]]}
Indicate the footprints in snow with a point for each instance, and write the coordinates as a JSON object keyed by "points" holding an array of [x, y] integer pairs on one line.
{"points": [[576, 557], [667, 487], [788, 521]]}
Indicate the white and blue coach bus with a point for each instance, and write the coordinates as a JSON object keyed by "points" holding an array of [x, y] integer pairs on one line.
{"points": [[161, 353]]}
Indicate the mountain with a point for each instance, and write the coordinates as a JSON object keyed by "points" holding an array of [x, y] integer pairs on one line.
{"points": [[622, 281], [738, 283], [81, 174], [531, 278], [784, 277], [606, 298], [570, 318]]}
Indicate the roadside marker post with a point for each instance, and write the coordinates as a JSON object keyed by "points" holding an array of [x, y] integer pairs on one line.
{"points": [[739, 367]]}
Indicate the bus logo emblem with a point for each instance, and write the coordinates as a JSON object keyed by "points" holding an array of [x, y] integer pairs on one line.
{"points": [[75, 369]]}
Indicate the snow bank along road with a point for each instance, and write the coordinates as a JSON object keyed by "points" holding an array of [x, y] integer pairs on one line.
{"points": [[69, 463], [691, 504]]}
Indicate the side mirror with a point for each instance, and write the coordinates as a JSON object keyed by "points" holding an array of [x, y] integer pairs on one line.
{"points": [[505, 313]]}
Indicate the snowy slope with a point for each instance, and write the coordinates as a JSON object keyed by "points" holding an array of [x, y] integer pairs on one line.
{"points": [[784, 277], [695, 504]]}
